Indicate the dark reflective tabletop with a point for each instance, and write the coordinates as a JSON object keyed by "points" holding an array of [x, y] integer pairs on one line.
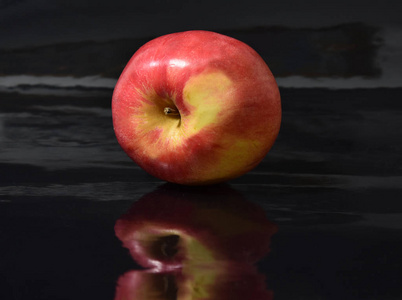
{"points": [[319, 218]]}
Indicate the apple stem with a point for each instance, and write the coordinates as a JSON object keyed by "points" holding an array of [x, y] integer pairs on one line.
{"points": [[170, 111]]}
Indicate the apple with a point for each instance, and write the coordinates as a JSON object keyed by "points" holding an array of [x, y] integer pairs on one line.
{"points": [[196, 107], [237, 282], [172, 226], [195, 243]]}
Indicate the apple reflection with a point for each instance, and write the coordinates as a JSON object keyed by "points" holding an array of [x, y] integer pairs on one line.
{"points": [[194, 243]]}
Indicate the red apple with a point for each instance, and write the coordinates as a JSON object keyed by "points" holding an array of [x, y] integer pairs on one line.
{"points": [[172, 226], [196, 243], [196, 107], [238, 282]]}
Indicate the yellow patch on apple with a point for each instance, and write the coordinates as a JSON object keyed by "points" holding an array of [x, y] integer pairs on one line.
{"points": [[235, 152], [201, 267], [206, 94]]}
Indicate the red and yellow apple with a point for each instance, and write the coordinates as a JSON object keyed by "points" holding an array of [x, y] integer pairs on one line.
{"points": [[173, 226], [196, 107], [238, 282], [196, 244]]}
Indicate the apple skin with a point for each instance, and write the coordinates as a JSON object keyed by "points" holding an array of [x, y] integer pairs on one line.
{"points": [[220, 234], [238, 282], [227, 103], [175, 225]]}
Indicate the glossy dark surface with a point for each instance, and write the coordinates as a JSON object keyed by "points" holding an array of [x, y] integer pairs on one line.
{"points": [[331, 184]]}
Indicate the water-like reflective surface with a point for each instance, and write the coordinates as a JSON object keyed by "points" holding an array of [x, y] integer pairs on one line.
{"points": [[331, 185]]}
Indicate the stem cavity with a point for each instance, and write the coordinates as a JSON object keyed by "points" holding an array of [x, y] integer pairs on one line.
{"points": [[171, 111]]}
